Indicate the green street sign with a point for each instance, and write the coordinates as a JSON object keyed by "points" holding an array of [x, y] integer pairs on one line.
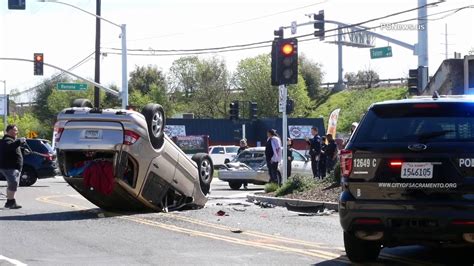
{"points": [[72, 86], [381, 52]]}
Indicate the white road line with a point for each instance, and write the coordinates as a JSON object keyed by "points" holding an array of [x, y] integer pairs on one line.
{"points": [[12, 261]]}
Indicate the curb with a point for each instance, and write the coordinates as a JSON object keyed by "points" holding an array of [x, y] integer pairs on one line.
{"points": [[281, 202]]}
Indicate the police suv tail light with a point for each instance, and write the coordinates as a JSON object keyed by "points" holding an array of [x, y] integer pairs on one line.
{"points": [[346, 162], [130, 137], [395, 163]]}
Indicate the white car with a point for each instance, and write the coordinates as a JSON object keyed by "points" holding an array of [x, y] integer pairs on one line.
{"points": [[222, 154], [250, 167]]}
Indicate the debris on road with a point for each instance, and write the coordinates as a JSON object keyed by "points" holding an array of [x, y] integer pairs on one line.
{"points": [[325, 212], [236, 231], [238, 209], [222, 213], [307, 208], [263, 204]]}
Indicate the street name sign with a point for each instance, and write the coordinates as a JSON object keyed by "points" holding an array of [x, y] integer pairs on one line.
{"points": [[72, 86], [381, 52]]}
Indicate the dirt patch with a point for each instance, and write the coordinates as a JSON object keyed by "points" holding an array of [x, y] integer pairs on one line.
{"points": [[323, 191]]}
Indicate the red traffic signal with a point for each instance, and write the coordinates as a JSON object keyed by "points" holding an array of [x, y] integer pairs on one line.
{"points": [[287, 49], [38, 64], [284, 62]]}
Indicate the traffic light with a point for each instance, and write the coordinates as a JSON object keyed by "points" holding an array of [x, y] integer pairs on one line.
{"points": [[413, 81], [16, 4], [319, 25], [38, 64], [234, 110], [284, 62], [290, 106], [253, 110]]}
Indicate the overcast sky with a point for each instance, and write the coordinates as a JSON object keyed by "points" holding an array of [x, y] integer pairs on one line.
{"points": [[66, 35]]}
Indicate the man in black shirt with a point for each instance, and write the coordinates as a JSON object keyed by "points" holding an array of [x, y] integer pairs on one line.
{"points": [[11, 163], [314, 151]]}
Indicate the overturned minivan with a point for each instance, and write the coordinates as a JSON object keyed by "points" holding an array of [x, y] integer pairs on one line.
{"points": [[122, 160]]}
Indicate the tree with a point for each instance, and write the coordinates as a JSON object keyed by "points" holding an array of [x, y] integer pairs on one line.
{"points": [[209, 97], [252, 76], [313, 75], [182, 76], [367, 78], [148, 85]]}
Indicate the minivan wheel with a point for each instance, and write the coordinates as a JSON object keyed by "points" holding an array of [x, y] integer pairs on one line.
{"points": [[28, 177], [205, 170], [235, 185], [358, 250], [81, 103], [155, 120]]}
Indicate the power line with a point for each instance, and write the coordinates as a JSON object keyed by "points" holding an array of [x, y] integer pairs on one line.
{"points": [[301, 36], [269, 41], [233, 23]]}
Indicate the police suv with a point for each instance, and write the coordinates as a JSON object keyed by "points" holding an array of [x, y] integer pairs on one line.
{"points": [[408, 176]]}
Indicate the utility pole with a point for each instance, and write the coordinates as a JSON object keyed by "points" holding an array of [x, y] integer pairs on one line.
{"points": [[97, 54], [422, 50]]}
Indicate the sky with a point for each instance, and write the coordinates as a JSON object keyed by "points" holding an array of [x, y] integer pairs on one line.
{"points": [[66, 35]]}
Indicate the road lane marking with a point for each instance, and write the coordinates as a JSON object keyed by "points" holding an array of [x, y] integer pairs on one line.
{"points": [[220, 237], [12, 261], [254, 243]]}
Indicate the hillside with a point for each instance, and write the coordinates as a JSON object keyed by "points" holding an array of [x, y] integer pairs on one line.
{"points": [[354, 104]]}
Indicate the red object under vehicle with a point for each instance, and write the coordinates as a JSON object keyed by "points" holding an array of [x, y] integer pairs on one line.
{"points": [[100, 176]]}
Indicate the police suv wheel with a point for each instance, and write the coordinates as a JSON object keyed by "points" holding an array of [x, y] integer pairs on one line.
{"points": [[358, 250]]}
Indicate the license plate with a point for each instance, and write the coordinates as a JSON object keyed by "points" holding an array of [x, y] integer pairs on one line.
{"points": [[417, 170], [92, 134]]}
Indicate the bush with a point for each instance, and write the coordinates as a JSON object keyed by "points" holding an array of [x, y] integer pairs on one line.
{"points": [[296, 183], [271, 187], [335, 175]]}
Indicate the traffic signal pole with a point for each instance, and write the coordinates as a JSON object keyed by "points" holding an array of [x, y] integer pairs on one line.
{"points": [[284, 136]]}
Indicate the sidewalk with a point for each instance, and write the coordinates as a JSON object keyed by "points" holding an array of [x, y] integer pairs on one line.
{"points": [[295, 202]]}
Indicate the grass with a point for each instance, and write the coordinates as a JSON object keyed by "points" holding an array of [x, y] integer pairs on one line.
{"points": [[296, 183], [271, 187], [354, 104]]}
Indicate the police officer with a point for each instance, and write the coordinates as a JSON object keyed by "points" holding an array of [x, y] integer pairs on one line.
{"points": [[314, 151]]}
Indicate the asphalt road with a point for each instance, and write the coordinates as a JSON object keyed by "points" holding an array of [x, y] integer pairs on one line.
{"points": [[56, 226]]}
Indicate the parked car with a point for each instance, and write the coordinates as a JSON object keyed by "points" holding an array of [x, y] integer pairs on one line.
{"points": [[150, 172], [408, 177], [250, 166], [222, 154], [39, 161]]}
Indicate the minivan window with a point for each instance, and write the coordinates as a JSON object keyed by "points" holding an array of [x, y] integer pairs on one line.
{"points": [[435, 123]]}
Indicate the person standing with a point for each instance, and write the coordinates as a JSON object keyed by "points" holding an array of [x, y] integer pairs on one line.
{"points": [[289, 154], [273, 155], [322, 158], [331, 153], [11, 163], [243, 147], [314, 151]]}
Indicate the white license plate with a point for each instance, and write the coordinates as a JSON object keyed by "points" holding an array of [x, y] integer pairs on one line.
{"points": [[93, 134], [417, 170]]}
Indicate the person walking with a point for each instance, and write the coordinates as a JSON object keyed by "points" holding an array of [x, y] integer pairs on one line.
{"points": [[243, 147], [322, 158], [314, 151], [289, 154], [273, 155], [11, 163], [331, 153]]}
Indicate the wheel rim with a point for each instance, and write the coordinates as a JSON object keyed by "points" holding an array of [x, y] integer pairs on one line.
{"points": [[157, 124], [205, 170]]}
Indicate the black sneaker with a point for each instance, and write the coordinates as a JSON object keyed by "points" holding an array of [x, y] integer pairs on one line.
{"points": [[11, 204]]}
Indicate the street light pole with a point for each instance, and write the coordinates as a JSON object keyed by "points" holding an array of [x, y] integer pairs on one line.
{"points": [[123, 35], [5, 103]]}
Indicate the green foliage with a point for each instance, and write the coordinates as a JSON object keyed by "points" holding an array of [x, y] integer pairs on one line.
{"points": [[26, 124], [335, 175], [253, 77], [354, 104], [312, 75], [271, 187], [296, 183]]}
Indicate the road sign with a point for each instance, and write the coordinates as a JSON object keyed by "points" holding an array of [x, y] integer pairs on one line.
{"points": [[293, 27], [282, 98], [72, 86], [381, 52]]}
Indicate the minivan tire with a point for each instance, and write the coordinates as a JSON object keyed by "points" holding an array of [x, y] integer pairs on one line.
{"points": [[358, 250], [205, 171], [28, 177], [81, 103], [155, 120]]}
